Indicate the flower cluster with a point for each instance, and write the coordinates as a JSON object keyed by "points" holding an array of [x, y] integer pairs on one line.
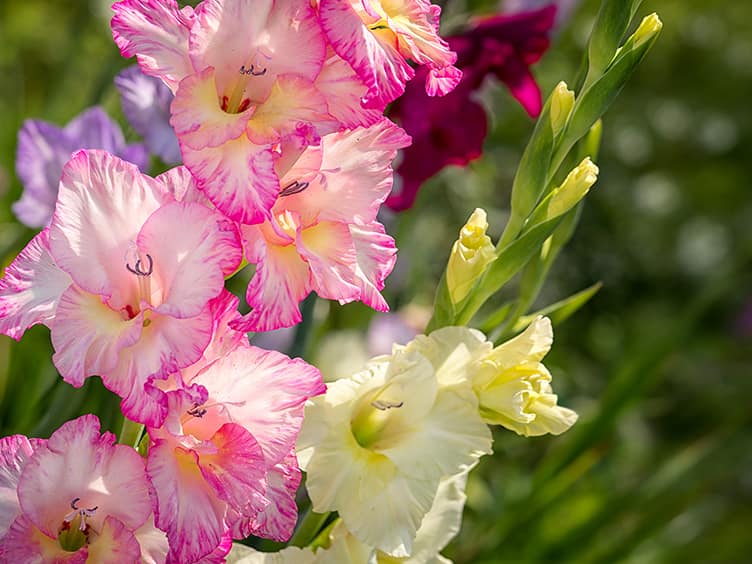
{"points": [[276, 110]]}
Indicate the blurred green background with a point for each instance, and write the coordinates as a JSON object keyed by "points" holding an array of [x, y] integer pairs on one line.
{"points": [[658, 364]]}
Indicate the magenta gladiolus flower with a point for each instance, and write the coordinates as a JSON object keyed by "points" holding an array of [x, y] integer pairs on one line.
{"points": [[450, 130], [250, 89], [379, 37], [43, 149], [323, 235], [123, 277], [146, 105], [77, 497]]}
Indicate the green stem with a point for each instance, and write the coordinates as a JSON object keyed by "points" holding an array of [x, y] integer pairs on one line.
{"points": [[130, 433], [308, 528]]}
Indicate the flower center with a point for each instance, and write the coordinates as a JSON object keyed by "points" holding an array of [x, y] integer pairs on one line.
{"points": [[242, 91], [370, 420], [142, 266], [74, 532]]}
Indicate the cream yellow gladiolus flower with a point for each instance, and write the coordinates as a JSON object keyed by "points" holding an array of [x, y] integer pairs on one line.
{"points": [[512, 384], [377, 445]]}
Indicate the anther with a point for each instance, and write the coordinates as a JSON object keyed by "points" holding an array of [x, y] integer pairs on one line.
{"points": [[138, 269], [197, 411], [293, 188], [383, 405], [252, 71]]}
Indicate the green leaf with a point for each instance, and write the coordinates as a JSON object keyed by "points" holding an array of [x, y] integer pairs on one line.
{"points": [[443, 309], [561, 310]]}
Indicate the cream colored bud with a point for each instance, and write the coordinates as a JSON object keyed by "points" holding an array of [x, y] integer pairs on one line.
{"points": [[471, 253], [575, 186], [649, 27], [562, 102]]}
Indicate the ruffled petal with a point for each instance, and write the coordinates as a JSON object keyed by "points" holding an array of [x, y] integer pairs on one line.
{"points": [[348, 176], [114, 544], [31, 288], [188, 509], [153, 542], [180, 183], [238, 177], [264, 391], [15, 452], [277, 520], [167, 344], [156, 31], [233, 464], [330, 253], [282, 36], [343, 90], [376, 256], [193, 248], [102, 195], [281, 281], [379, 65], [88, 335]]}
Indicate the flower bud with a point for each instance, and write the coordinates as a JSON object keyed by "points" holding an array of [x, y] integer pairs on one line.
{"points": [[649, 27], [575, 186], [471, 253], [562, 102]]}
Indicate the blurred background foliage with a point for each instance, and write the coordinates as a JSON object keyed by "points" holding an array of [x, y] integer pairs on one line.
{"points": [[659, 467]]}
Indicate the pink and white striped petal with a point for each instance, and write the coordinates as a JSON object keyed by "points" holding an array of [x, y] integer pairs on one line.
{"points": [[265, 392], [349, 175], [15, 452], [277, 520], [328, 249], [376, 256], [281, 281], [156, 31], [102, 204], [378, 63], [31, 288], [238, 177], [114, 544], [193, 248], [188, 508], [88, 335]]}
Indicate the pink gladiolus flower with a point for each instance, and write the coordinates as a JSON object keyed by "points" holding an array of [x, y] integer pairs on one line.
{"points": [[323, 235], [379, 37], [246, 78], [451, 130], [223, 462], [78, 497], [123, 278]]}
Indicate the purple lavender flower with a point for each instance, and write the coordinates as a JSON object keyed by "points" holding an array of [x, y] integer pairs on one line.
{"points": [[43, 149], [146, 105]]}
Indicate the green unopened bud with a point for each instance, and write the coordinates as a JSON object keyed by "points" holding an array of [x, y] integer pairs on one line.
{"points": [[649, 27], [575, 186], [562, 102], [471, 253]]}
